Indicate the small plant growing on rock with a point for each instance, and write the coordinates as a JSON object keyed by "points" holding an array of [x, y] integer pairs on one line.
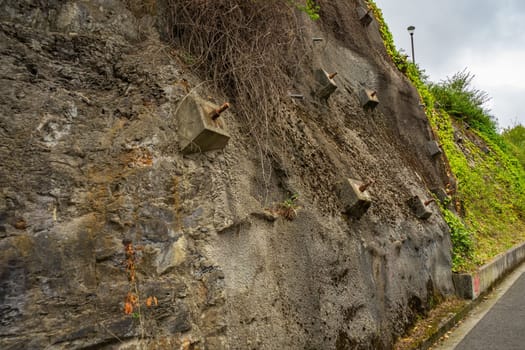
{"points": [[288, 208]]}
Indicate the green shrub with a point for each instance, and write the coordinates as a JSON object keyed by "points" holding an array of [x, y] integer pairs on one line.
{"points": [[462, 101]]}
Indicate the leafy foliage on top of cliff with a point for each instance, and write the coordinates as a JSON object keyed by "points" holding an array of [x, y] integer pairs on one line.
{"points": [[490, 189]]}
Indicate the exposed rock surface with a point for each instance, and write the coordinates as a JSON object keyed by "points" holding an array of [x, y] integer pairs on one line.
{"points": [[90, 157]]}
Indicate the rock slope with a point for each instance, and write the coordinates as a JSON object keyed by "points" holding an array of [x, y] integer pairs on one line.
{"points": [[90, 162]]}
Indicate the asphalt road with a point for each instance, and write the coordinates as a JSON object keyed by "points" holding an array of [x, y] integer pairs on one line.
{"points": [[503, 326]]}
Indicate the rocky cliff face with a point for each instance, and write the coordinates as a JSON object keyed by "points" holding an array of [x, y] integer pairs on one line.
{"points": [[91, 166]]}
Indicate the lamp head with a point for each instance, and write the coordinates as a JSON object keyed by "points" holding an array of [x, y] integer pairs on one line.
{"points": [[411, 30]]}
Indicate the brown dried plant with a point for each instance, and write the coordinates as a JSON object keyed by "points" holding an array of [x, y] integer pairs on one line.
{"points": [[250, 50], [132, 301]]}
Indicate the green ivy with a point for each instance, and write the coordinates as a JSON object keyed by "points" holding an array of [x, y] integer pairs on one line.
{"points": [[462, 256]]}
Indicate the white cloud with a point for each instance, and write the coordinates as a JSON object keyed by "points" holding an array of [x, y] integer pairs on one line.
{"points": [[504, 69]]}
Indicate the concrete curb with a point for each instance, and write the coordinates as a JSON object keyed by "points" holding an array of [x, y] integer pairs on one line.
{"points": [[471, 286], [475, 286]]}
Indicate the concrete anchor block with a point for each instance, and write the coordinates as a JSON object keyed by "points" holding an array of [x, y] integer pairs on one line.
{"points": [[200, 127], [364, 16], [433, 148], [368, 98], [354, 196], [326, 84], [419, 208]]}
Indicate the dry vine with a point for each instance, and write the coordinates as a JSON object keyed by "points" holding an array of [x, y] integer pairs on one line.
{"points": [[249, 49]]}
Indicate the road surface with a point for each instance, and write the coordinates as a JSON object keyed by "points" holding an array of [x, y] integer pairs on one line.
{"points": [[497, 323]]}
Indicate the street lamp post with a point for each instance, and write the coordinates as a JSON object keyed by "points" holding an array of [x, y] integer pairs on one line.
{"points": [[411, 32]]}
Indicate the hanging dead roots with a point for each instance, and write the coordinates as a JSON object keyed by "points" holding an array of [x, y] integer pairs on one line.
{"points": [[250, 50]]}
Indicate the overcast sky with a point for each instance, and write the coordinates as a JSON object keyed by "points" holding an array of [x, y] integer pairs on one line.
{"points": [[485, 36]]}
